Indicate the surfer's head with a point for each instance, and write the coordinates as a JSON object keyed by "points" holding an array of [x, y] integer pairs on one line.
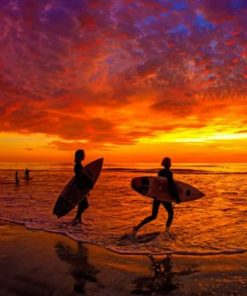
{"points": [[79, 155], [166, 162]]}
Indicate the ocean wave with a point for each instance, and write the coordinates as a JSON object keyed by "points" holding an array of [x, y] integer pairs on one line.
{"points": [[126, 249], [182, 252]]}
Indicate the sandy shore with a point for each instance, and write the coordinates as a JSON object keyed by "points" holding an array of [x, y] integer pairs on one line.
{"points": [[38, 263]]}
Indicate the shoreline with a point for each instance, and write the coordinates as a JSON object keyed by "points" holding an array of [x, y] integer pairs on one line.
{"points": [[235, 251], [34, 262]]}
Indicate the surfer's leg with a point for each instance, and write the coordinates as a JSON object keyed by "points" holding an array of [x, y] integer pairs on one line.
{"points": [[82, 206], [155, 209], [169, 209]]}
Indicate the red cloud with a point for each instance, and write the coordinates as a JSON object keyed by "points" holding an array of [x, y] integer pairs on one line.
{"points": [[82, 70]]}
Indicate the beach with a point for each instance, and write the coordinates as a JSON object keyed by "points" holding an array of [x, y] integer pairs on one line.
{"points": [[39, 263]]}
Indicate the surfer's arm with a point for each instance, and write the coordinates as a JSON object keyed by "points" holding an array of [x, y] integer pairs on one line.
{"points": [[171, 184], [173, 188], [82, 178], [86, 178]]}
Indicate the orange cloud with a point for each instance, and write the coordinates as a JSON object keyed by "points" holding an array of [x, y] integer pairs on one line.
{"points": [[113, 75]]}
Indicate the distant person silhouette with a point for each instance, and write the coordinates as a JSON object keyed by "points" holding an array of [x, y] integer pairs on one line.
{"points": [[82, 179], [17, 181], [167, 173], [27, 174]]}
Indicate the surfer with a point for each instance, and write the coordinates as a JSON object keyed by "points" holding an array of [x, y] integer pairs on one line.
{"points": [[26, 174], [81, 177], [17, 178], [167, 173]]}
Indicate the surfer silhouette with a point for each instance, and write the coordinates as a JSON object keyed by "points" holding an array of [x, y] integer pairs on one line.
{"points": [[167, 173], [27, 174], [82, 179], [17, 181]]}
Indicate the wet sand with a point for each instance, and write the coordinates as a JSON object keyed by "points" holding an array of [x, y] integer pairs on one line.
{"points": [[38, 263]]}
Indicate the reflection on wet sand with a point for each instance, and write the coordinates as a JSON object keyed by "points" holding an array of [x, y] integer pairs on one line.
{"points": [[163, 279], [80, 269]]}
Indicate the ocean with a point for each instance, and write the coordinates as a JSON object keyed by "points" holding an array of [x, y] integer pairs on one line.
{"points": [[215, 224]]}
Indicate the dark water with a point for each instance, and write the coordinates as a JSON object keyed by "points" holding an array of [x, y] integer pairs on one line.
{"points": [[215, 224]]}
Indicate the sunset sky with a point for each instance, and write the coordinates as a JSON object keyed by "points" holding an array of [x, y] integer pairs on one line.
{"points": [[128, 80]]}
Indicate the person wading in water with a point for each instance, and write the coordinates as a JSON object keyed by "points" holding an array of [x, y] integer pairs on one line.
{"points": [[82, 180], [167, 173]]}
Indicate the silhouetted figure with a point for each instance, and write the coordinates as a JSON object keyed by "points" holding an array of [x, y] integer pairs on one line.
{"points": [[80, 269], [17, 181], [27, 174], [82, 179], [167, 173]]}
